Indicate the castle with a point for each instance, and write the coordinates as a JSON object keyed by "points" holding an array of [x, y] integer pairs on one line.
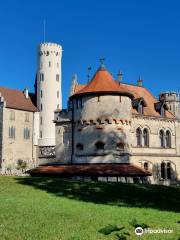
{"points": [[110, 131]]}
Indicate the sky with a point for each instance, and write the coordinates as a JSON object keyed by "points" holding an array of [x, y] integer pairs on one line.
{"points": [[136, 36]]}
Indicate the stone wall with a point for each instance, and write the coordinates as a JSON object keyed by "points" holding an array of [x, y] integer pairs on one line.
{"points": [[18, 148]]}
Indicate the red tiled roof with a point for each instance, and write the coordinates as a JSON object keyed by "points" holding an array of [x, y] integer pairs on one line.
{"points": [[102, 82], [16, 99], [136, 91], [126, 170]]}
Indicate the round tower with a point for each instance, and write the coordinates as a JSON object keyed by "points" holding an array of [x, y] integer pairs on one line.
{"points": [[49, 96]]}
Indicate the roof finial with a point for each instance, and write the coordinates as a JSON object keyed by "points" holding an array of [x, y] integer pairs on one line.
{"points": [[88, 72], [102, 66], [139, 82], [119, 76]]}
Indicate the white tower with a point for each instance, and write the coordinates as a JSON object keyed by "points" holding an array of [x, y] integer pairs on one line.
{"points": [[49, 96]]}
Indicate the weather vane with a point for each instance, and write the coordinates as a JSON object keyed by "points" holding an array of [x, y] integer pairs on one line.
{"points": [[88, 70], [102, 63]]}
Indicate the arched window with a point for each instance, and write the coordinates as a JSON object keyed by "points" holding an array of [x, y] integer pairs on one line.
{"points": [[146, 166], [161, 137], [100, 145], [163, 174], [168, 139], [166, 170], [79, 147], [139, 137], [168, 167], [146, 137]]}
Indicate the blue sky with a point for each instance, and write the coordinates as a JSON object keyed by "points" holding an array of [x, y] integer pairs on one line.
{"points": [[139, 37]]}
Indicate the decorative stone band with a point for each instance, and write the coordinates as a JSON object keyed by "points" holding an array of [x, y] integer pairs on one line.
{"points": [[104, 121]]}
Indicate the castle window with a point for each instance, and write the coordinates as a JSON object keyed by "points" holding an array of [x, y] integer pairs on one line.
{"points": [[57, 77], [41, 94], [41, 120], [57, 94], [119, 98], [49, 64], [168, 139], [146, 137], [41, 76], [40, 134], [26, 117], [166, 170], [100, 145], [12, 132], [162, 112], [79, 103], [146, 166], [140, 108], [26, 133], [12, 115], [41, 107], [79, 147], [138, 137], [162, 138], [98, 98]]}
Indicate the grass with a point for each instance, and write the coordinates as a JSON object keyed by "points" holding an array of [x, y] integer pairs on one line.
{"points": [[59, 209]]}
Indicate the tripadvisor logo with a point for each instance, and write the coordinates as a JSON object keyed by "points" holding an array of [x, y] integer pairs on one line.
{"points": [[139, 231]]}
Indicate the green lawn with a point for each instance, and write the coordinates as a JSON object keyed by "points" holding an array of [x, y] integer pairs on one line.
{"points": [[54, 209]]}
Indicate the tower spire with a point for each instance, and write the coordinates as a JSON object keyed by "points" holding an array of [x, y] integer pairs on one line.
{"points": [[44, 30]]}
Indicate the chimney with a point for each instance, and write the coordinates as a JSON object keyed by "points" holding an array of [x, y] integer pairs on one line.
{"points": [[26, 93], [139, 82], [119, 76]]}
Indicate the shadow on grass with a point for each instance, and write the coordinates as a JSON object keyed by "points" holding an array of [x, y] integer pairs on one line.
{"points": [[118, 194]]}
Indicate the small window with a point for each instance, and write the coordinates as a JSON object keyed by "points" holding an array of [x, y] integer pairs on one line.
{"points": [[100, 145], [162, 111], [140, 108], [98, 98], [58, 106], [57, 64], [146, 166], [139, 137], [41, 107], [26, 117], [49, 64], [162, 138], [26, 133], [40, 134], [168, 170], [12, 115], [79, 147], [41, 120], [57, 94], [57, 77], [41, 94], [168, 139], [163, 174], [146, 137], [12, 132], [42, 77], [119, 98]]}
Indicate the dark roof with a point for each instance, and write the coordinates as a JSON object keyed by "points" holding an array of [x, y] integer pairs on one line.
{"points": [[126, 170], [16, 99]]}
